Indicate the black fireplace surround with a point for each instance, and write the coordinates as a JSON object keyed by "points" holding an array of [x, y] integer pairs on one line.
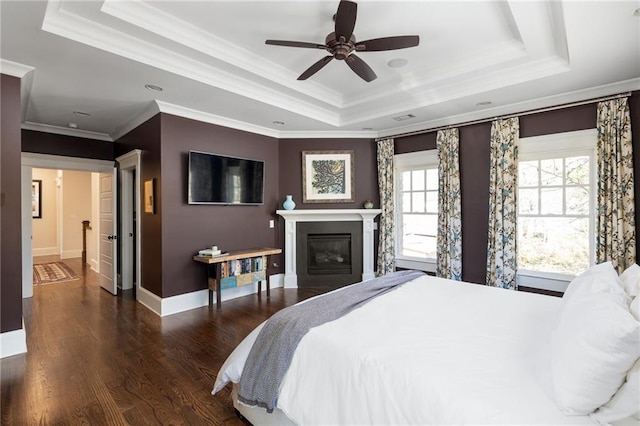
{"points": [[329, 254]]}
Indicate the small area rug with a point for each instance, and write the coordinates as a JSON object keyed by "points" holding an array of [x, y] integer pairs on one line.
{"points": [[52, 272]]}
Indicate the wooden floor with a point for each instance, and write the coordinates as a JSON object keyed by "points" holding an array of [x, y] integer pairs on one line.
{"points": [[99, 359]]}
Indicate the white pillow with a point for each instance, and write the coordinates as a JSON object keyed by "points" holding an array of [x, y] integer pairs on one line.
{"points": [[596, 342], [601, 278], [634, 307], [631, 280], [625, 403]]}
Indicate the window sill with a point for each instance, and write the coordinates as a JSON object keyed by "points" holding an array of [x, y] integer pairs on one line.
{"points": [[427, 265], [544, 280]]}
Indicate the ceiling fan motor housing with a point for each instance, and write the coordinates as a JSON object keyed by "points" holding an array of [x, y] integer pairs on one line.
{"points": [[339, 49]]}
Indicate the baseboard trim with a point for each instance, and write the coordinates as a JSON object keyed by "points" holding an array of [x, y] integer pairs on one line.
{"points": [[70, 254], [93, 263], [150, 300], [197, 299], [44, 251], [13, 342]]}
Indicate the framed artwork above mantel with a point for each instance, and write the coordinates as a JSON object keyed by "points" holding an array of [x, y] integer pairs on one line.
{"points": [[328, 177]]}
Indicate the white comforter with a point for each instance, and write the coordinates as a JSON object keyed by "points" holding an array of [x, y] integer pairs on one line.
{"points": [[433, 351]]}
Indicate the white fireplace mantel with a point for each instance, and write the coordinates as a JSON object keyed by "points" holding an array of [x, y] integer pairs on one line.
{"points": [[292, 217]]}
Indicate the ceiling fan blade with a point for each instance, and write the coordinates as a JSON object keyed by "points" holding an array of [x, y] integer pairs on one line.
{"points": [[361, 68], [296, 44], [346, 19], [315, 67], [387, 43]]}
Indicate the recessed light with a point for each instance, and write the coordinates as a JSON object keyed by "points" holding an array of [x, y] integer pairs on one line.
{"points": [[367, 128], [397, 63], [153, 87], [82, 113], [279, 123], [483, 103], [73, 125], [404, 117]]}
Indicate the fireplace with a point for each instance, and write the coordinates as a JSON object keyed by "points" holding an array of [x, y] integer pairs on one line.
{"points": [[330, 253], [360, 227]]}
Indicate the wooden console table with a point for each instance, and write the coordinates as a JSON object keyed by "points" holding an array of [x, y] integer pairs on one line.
{"points": [[218, 264]]}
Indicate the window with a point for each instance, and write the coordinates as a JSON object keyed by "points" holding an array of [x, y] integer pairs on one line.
{"points": [[556, 199], [416, 180]]}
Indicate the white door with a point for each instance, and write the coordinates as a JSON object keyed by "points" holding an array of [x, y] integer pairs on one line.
{"points": [[108, 247]]}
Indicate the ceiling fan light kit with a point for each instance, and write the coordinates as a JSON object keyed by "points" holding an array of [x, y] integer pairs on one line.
{"points": [[341, 44]]}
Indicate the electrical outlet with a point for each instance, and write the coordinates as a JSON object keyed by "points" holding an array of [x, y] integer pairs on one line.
{"points": [[272, 223]]}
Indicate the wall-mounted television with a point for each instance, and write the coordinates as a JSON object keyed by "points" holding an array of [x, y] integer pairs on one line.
{"points": [[220, 179]]}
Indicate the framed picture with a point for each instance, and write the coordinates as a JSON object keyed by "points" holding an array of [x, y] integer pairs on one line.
{"points": [[327, 177], [36, 199], [149, 205]]}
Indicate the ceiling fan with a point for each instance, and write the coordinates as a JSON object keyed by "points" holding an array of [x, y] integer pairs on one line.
{"points": [[342, 43]]}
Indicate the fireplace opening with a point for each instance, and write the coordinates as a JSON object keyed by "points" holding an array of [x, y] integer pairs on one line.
{"points": [[328, 254]]}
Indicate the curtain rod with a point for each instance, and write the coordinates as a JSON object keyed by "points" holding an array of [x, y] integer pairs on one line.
{"points": [[527, 112]]}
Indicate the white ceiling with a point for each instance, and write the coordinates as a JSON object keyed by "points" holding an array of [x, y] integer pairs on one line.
{"points": [[211, 59]]}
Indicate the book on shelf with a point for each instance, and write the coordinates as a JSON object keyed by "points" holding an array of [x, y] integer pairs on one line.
{"points": [[211, 253]]}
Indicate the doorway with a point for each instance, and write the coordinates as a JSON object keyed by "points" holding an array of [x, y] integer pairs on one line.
{"points": [[43, 161], [129, 213], [65, 225]]}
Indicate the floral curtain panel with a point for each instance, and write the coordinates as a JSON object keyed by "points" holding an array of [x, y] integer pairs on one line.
{"points": [[449, 240], [503, 188], [386, 231], [615, 221]]}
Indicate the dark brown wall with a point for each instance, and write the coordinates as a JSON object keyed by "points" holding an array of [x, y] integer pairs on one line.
{"points": [[69, 146], [474, 170], [415, 143], [10, 220], [562, 120], [146, 137], [365, 170], [365, 173], [189, 228]]}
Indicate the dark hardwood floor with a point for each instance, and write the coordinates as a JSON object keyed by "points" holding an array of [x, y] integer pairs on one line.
{"points": [[99, 359]]}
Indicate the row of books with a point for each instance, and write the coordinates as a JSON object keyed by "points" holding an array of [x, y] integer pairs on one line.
{"points": [[242, 266]]}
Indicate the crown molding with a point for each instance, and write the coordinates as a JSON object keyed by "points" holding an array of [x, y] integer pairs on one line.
{"points": [[205, 117], [47, 128], [260, 130], [152, 19], [328, 134], [545, 102], [150, 110], [478, 83], [69, 25], [14, 69]]}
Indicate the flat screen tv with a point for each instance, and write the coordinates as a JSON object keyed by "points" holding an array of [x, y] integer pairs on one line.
{"points": [[219, 179]]}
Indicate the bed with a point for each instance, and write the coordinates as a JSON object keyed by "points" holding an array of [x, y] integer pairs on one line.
{"points": [[437, 351]]}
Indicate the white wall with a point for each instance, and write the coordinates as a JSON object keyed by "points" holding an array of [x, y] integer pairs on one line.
{"points": [[76, 207], [93, 239], [44, 231]]}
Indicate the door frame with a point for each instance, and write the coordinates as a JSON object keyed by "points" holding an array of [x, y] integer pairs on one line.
{"points": [[129, 164], [46, 161]]}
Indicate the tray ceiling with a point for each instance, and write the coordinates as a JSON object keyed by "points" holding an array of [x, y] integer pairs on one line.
{"points": [[213, 65]]}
